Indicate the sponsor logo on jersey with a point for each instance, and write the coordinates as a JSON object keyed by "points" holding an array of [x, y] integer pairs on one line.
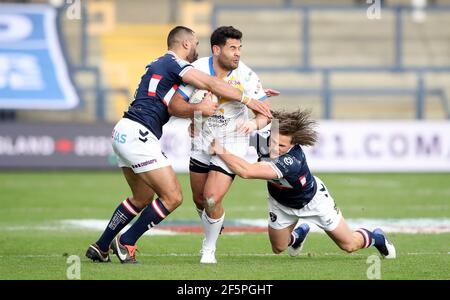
{"points": [[143, 135], [217, 121], [118, 137], [288, 161], [145, 163], [234, 82], [273, 217]]}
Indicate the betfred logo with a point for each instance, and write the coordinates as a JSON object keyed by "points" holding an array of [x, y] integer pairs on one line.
{"points": [[64, 146], [27, 145], [47, 145]]}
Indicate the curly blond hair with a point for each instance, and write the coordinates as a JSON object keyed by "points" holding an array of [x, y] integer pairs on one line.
{"points": [[298, 125]]}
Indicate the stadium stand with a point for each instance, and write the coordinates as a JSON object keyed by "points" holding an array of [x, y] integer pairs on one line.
{"points": [[326, 55], [124, 70], [342, 39]]}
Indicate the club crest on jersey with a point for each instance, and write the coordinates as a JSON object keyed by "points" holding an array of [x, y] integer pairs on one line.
{"points": [[288, 161], [302, 180]]}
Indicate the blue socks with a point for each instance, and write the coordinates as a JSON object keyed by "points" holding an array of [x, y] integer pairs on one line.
{"points": [[298, 235], [150, 217], [123, 214], [370, 238]]}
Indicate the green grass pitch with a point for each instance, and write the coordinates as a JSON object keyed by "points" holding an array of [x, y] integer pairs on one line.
{"points": [[32, 249]]}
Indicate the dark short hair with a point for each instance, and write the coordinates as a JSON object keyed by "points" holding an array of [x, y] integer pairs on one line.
{"points": [[298, 125], [174, 34], [220, 36]]}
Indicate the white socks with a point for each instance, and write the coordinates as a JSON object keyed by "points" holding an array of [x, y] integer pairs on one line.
{"points": [[212, 229]]}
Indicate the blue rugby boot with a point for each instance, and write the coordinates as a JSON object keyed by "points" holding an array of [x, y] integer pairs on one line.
{"points": [[386, 249], [298, 236]]}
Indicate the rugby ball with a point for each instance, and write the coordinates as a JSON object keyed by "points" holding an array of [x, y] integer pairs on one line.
{"points": [[198, 96]]}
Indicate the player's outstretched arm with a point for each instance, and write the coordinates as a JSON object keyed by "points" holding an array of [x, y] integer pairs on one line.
{"points": [[220, 88], [242, 168], [178, 107]]}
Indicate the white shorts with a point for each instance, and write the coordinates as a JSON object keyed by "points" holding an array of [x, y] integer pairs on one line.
{"points": [[321, 210], [234, 142], [137, 147]]}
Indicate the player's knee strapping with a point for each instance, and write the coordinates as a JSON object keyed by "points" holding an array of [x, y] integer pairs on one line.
{"points": [[210, 204]]}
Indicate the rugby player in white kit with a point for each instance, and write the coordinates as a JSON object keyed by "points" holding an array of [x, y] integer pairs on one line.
{"points": [[210, 177]]}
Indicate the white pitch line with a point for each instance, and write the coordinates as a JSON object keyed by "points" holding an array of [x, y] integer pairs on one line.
{"points": [[312, 254], [416, 225], [33, 256], [412, 226], [275, 255]]}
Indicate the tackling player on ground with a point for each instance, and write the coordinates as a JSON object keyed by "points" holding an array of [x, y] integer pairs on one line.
{"points": [[294, 193], [135, 141]]}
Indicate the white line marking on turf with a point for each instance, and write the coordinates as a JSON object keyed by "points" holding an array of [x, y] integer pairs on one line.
{"points": [[419, 225], [309, 254], [277, 255], [86, 224], [34, 256], [100, 225]]}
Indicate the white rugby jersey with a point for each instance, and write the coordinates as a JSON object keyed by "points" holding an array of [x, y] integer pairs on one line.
{"points": [[242, 78]]}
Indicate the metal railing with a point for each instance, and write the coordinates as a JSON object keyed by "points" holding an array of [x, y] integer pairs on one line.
{"points": [[101, 92], [326, 91]]}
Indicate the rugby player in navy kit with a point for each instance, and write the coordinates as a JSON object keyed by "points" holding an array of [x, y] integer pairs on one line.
{"points": [[135, 141], [294, 193]]}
